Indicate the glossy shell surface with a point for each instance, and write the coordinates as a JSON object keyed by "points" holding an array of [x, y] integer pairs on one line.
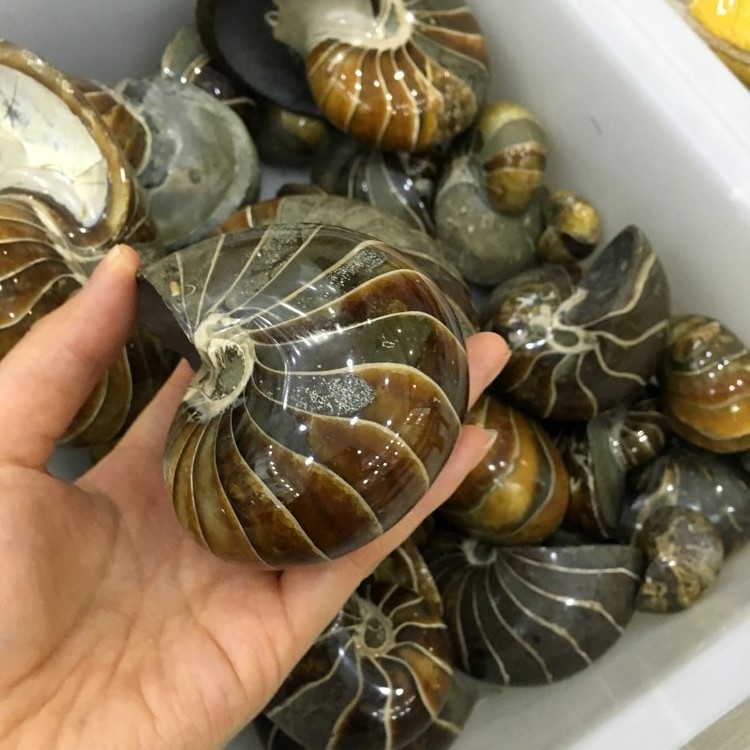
{"points": [[401, 75], [352, 214], [332, 390], [578, 349], [533, 615], [376, 678], [572, 228], [705, 382], [518, 492], [690, 477], [685, 554]]}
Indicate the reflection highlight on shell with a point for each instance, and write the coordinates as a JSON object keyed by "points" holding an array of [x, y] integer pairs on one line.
{"points": [[578, 349], [518, 492], [705, 381], [332, 388], [378, 677], [400, 75], [533, 615]]}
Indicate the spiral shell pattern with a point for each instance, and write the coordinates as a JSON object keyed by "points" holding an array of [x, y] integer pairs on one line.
{"points": [[420, 249], [376, 678], [533, 615], [705, 382], [578, 349], [401, 75], [331, 393], [518, 492]]}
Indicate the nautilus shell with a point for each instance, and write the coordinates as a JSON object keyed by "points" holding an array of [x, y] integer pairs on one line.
{"points": [[202, 162], [331, 391], [578, 349], [690, 477], [509, 144], [488, 247], [398, 183], [572, 228], [402, 75], [685, 554], [39, 270], [56, 147], [705, 382], [598, 456], [518, 492], [376, 678], [352, 214], [533, 615]]}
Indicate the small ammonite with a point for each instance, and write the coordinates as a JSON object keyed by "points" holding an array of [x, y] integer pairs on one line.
{"points": [[685, 554], [331, 389], [581, 348], [705, 384], [518, 493]]}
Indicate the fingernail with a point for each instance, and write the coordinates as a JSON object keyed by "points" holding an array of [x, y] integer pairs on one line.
{"points": [[491, 437], [122, 258]]}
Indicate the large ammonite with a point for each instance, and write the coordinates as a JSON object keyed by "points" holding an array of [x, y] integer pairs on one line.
{"points": [[331, 390], [533, 615], [581, 348], [402, 75]]}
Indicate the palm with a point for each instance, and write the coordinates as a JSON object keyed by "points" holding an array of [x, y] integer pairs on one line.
{"points": [[118, 630]]}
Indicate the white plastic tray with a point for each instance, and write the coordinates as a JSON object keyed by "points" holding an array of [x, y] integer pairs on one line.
{"points": [[647, 123]]}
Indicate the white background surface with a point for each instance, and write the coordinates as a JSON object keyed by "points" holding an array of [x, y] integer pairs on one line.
{"points": [[645, 122]]}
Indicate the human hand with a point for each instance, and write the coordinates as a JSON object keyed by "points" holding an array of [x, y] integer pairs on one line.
{"points": [[117, 630]]}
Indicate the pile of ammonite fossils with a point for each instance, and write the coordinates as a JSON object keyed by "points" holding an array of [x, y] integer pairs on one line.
{"points": [[326, 327]]}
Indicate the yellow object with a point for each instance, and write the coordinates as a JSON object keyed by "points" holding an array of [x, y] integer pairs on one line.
{"points": [[727, 23]]}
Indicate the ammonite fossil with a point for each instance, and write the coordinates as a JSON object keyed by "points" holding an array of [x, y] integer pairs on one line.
{"points": [[598, 456], [518, 492], [690, 477], [375, 679], [39, 270], [331, 390], [685, 554], [509, 144], [705, 382], [572, 229], [57, 148], [488, 247], [533, 615], [578, 349], [402, 75], [398, 183], [360, 217], [203, 164]]}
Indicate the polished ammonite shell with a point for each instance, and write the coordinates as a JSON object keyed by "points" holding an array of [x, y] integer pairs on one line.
{"points": [[402, 75], [705, 382], [331, 390], [581, 348], [533, 615]]}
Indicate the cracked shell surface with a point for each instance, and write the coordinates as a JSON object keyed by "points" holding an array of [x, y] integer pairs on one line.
{"points": [[331, 392]]}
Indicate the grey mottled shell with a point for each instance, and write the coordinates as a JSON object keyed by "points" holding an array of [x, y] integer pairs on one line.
{"points": [[488, 247], [685, 554], [332, 388], [533, 615], [578, 349], [693, 478], [203, 164]]}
